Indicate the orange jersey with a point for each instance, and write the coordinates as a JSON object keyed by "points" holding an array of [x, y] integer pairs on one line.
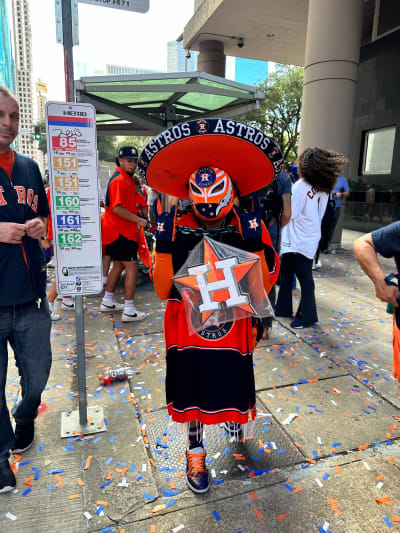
{"points": [[120, 191], [224, 349]]}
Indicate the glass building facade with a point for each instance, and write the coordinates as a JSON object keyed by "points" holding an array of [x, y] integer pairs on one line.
{"points": [[7, 66], [250, 71], [176, 60]]}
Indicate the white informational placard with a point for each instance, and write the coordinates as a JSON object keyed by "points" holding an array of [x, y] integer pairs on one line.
{"points": [[140, 6], [74, 192]]}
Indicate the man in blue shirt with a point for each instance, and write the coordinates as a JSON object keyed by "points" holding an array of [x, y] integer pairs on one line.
{"points": [[24, 311], [386, 242], [339, 193]]}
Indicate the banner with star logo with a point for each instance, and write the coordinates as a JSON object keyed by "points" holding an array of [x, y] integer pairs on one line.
{"points": [[219, 284]]}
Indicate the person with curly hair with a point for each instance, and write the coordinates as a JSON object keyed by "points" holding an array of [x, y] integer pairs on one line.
{"points": [[318, 170]]}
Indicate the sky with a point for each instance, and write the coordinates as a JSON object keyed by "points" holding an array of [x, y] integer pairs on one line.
{"points": [[106, 35]]}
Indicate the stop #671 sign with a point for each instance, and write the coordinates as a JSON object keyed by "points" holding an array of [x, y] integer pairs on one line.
{"points": [[140, 6]]}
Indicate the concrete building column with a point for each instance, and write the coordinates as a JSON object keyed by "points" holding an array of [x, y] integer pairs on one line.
{"points": [[330, 73], [211, 58]]}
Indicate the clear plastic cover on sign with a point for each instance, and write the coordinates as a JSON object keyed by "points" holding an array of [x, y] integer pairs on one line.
{"points": [[219, 283]]}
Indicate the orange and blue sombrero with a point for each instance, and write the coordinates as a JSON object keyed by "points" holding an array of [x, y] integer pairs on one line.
{"points": [[251, 158]]}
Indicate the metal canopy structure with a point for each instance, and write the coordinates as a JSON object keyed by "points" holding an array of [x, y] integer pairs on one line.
{"points": [[146, 105]]}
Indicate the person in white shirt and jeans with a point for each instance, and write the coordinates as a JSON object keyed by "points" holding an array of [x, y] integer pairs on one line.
{"points": [[318, 170]]}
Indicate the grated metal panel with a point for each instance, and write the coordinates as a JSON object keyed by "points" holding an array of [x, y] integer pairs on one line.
{"points": [[267, 447]]}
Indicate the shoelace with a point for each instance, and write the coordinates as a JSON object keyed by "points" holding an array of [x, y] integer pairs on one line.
{"points": [[197, 463]]}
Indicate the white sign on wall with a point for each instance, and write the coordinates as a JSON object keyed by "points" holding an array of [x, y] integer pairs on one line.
{"points": [[74, 192], [140, 6]]}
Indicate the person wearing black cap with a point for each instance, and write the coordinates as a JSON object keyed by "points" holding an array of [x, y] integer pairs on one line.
{"points": [[120, 234]]}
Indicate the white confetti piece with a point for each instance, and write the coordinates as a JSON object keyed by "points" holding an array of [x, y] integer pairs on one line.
{"points": [[87, 515], [213, 473], [241, 467], [319, 482], [333, 401], [246, 482], [319, 440], [366, 465], [11, 516], [325, 526], [379, 485], [274, 445], [289, 419], [216, 455], [144, 467], [178, 528]]}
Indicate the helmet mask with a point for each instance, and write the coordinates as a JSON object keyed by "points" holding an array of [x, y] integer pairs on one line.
{"points": [[211, 193]]}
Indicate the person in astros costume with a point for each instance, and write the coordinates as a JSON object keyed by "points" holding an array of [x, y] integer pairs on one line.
{"points": [[210, 376]]}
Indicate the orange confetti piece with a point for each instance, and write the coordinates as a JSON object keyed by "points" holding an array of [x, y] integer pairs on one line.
{"points": [[338, 469], [101, 502], [281, 517], [153, 529], [395, 518], [297, 489], [362, 447], [181, 459], [74, 496], [180, 474], [122, 531], [172, 484], [59, 479], [391, 458], [152, 462], [253, 496], [347, 414], [109, 476], [378, 478], [384, 499], [87, 462], [257, 513], [79, 481]]}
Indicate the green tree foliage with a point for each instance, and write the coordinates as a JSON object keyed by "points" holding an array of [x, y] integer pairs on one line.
{"points": [[43, 139], [107, 147], [279, 114], [137, 142]]}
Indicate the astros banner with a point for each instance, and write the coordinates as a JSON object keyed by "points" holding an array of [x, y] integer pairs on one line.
{"points": [[219, 284]]}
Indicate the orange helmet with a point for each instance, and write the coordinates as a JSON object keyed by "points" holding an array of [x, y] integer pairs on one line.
{"points": [[211, 193]]}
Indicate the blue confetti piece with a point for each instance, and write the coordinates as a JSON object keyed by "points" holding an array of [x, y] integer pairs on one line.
{"points": [[41, 447], [99, 509], [216, 515], [318, 411], [105, 421], [315, 453], [148, 496], [388, 522], [25, 463], [51, 487], [111, 438], [226, 451], [105, 484], [96, 440], [104, 530], [139, 477], [170, 502], [26, 491], [109, 460], [55, 471], [218, 481], [289, 487], [255, 458], [132, 468], [38, 473], [280, 451], [326, 476]]}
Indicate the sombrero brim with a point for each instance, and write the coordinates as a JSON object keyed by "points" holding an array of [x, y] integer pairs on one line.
{"points": [[249, 167]]}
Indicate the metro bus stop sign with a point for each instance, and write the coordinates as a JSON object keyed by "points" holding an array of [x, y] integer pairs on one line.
{"points": [[140, 6]]}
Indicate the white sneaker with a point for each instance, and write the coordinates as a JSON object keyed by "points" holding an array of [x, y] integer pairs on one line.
{"points": [[131, 314], [52, 263], [316, 265], [54, 316], [108, 307], [68, 304]]}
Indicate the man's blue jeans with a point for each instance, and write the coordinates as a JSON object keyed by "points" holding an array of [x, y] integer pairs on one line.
{"points": [[26, 328]]}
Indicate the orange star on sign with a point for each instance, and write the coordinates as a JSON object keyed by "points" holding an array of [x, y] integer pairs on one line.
{"points": [[209, 280]]}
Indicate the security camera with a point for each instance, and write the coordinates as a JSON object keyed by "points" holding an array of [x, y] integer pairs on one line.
{"points": [[188, 54], [240, 42]]}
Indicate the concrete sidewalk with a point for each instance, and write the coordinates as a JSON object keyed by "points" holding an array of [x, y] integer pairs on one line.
{"points": [[323, 454]]}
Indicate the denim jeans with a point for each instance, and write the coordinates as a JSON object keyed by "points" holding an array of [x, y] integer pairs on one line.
{"points": [[300, 265], [26, 328]]}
